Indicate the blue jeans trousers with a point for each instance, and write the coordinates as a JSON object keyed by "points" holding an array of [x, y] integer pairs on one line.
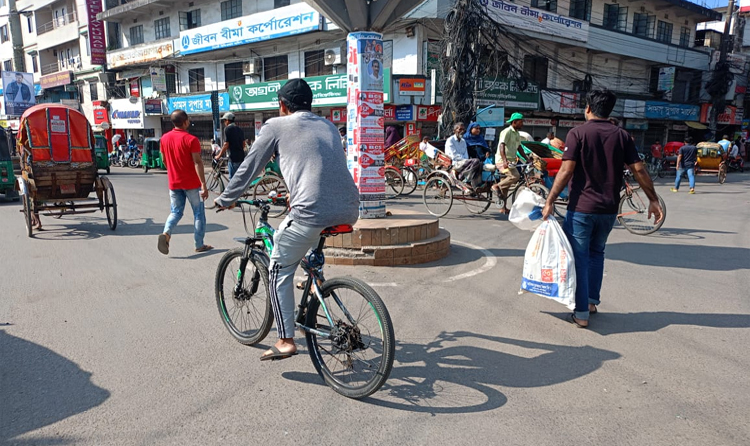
{"points": [[587, 234], [232, 168], [177, 199], [691, 178]]}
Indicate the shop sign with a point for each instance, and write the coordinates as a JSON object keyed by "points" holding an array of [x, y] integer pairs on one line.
{"points": [[680, 128], [289, 20], [126, 115], [665, 82], [97, 42], [100, 115], [338, 115], [537, 20], [564, 102], [745, 123], [726, 118], [670, 111], [56, 79], [389, 112], [135, 89], [432, 50], [428, 113], [327, 91], [411, 129], [158, 79], [404, 113], [140, 54], [537, 122], [569, 124], [738, 116], [412, 86], [153, 106], [493, 117], [198, 103], [507, 93], [636, 124]]}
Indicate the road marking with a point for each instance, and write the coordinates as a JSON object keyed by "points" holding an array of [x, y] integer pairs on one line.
{"points": [[489, 263]]}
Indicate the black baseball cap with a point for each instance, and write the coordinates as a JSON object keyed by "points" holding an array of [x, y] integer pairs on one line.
{"points": [[297, 92]]}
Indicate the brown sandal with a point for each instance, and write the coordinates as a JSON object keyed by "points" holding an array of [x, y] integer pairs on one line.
{"points": [[204, 248]]}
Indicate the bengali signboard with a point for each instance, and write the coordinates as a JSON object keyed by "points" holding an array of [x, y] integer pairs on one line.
{"points": [[97, 41], [563, 102], [726, 118], [153, 106], [56, 79], [140, 54], [18, 92], [670, 111], [508, 93], [537, 20], [412, 86], [289, 20], [197, 103], [365, 120]]}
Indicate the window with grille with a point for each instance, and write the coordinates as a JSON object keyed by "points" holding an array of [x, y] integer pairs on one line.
{"points": [[315, 64], [643, 24], [615, 17], [535, 69], [169, 73], [114, 37], [4, 36], [547, 5], [94, 91], [190, 19], [7, 65], [580, 9], [664, 32], [685, 37], [275, 68], [233, 74], [136, 35], [231, 9], [197, 80], [280, 3], [34, 64], [161, 28]]}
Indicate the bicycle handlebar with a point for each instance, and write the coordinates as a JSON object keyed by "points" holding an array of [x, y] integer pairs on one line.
{"points": [[260, 203]]}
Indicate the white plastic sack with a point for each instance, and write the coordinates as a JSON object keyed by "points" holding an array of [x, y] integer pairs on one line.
{"points": [[548, 266], [526, 212]]}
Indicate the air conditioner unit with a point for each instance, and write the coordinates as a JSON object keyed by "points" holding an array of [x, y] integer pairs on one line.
{"points": [[335, 56], [253, 67]]}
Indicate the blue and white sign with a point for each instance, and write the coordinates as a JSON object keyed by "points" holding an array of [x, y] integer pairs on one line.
{"points": [[289, 20], [491, 117], [404, 113], [198, 103], [671, 111]]}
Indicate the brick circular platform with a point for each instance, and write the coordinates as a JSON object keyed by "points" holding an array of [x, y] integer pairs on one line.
{"points": [[400, 239]]}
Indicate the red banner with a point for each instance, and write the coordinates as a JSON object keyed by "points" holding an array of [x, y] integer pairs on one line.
{"points": [[726, 118], [428, 113], [97, 42]]}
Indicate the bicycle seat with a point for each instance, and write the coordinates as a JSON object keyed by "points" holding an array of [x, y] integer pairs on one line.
{"points": [[338, 229]]}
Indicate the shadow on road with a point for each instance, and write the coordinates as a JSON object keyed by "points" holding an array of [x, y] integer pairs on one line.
{"points": [[698, 257], [619, 323], [435, 378], [461, 255], [686, 234], [80, 228], [39, 388]]}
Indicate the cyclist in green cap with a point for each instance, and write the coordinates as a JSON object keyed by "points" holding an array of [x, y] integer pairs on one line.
{"points": [[510, 141]]}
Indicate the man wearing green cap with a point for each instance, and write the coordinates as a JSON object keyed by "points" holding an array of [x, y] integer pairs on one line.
{"points": [[510, 141]]}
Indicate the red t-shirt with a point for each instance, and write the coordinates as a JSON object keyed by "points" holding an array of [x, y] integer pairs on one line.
{"points": [[656, 150], [178, 147]]}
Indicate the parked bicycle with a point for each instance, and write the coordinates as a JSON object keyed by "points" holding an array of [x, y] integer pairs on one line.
{"points": [[347, 327]]}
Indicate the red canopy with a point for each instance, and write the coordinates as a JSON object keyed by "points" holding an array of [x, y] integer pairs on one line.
{"points": [[58, 133]]}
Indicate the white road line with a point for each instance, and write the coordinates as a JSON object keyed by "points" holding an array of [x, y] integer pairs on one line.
{"points": [[489, 263]]}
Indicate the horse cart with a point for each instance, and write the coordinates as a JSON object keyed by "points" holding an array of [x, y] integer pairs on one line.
{"points": [[59, 171]]}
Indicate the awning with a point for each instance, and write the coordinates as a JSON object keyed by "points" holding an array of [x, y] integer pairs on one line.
{"points": [[695, 125]]}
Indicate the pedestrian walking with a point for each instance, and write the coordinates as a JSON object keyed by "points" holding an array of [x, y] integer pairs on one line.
{"points": [[510, 142], [592, 168], [687, 156], [234, 142], [187, 181]]}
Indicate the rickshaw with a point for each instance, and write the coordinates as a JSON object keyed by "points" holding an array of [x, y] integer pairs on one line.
{"points": [[711, 160], [151, 158], [7, 174], [58, 170], [102, 152]]}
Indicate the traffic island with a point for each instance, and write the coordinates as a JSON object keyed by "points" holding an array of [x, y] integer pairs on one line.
{"points": [[402, 238]]}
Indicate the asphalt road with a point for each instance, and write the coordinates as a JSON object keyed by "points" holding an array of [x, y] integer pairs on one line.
{"points": [[105, 341]]}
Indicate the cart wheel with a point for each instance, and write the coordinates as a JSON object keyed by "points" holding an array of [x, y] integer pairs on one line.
{"points": [[722, 173], [110, 205], [27, 214], [59, 213]]}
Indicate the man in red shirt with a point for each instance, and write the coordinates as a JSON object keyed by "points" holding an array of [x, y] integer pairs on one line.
{"points": [[656, 150], [182, 158]]}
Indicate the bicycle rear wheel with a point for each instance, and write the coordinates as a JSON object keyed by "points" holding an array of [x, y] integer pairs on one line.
{"points": [[270, 182], [410, 180], [438, 196], [245, 307], [394, 183], [478, 202], [633, 213], [215, 185], [357, 358]]}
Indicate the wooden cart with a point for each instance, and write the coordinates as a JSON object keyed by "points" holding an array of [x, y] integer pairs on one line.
{"points": [[59, 171]]}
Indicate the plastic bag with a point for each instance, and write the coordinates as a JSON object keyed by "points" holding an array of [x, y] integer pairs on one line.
{"points": [[526, 212], [548, 266]]}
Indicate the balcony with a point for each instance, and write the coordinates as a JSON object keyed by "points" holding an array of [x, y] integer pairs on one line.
{"points": [[60, 30], [73, 64], [131, 7]]}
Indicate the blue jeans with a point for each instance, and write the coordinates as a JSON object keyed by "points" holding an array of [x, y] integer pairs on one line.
{"points": [[587, 234], [177, 199], [691, 177], [232, 167]]}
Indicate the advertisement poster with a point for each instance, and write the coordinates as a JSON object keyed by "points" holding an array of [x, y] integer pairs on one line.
{"points": [[158, 79], [97, 41], [18, 92], [365, 120]]}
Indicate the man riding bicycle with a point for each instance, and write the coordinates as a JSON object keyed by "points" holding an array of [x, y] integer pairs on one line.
{"points": [[322, 194]]}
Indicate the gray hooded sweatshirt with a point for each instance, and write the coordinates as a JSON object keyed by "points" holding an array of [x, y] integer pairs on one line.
{"points": [[313, 165]]}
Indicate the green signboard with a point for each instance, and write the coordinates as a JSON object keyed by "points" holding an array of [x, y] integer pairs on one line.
{"points": [[328, 91], [500, 91]]}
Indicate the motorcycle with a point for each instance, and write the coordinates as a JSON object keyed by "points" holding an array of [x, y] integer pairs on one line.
{"points": [[736, 164]]}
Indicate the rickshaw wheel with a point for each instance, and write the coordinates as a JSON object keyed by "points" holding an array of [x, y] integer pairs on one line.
{"points": [[27, 214], [722, 173], [145, 168], [110, 205], [108, 169], [270, 182]]}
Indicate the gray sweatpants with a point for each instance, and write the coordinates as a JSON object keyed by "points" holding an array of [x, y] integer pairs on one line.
{"points": [[291, 243]]}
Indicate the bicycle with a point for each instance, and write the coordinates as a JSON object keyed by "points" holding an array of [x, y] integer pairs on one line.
{"points": [[341, 317], [216, 181], [263, 186]]}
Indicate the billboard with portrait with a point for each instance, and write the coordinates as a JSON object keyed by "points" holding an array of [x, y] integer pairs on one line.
{"points": [[18, 92]]}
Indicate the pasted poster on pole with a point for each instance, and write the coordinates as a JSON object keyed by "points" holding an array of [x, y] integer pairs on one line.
{"points": [[18, 92], [365, 119]]}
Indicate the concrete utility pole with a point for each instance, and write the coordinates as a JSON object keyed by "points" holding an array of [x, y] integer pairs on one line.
{"points": [[718, 98], [14, 23]]}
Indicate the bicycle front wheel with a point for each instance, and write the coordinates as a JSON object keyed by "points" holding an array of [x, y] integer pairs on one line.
{"points": [[438, 196], [357, 358], [394, 183], [633, 213], [410, 180], [242, 297]]}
